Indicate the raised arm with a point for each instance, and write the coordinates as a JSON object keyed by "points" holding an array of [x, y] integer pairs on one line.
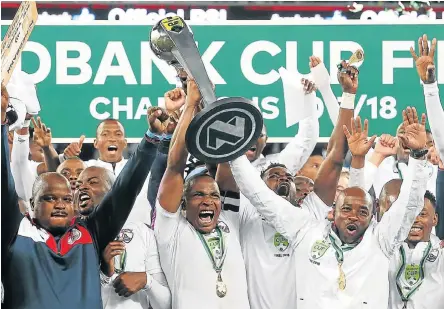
{"points": [[110, 215], [359, 145], [24, 175], [281, 214], [11, 216], [330, 170], [296, 153], [427, 72], [440, 201], [171, 186], [396, 223], [43, 137]]}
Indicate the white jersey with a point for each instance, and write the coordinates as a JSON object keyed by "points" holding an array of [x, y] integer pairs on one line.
{"points": [[430, 294], [317, 271], [269, 258], [267, 255], [189, 270], [141, 256]]}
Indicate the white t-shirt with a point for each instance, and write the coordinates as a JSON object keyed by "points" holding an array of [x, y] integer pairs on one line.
{"points": [[430, 294], [269, 258], [141, 256], [189, 270]]}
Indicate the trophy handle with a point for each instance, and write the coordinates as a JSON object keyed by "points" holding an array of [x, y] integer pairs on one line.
{"points": [[187, 53]]}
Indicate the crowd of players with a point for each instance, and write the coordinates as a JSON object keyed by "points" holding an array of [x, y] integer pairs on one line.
{"points": [[292, 230]]}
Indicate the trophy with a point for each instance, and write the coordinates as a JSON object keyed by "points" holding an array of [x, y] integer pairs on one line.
{"points": [[224, 129]]}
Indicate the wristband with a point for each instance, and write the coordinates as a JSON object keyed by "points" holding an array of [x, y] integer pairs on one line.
{"points": [[149, 281], [152, 135], [167, 137], [26, 123], [348, 100], [431, 89]]}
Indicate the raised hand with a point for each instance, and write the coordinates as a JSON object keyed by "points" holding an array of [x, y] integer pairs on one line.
{"points": [[42, 135], [387, 145], [358, 141], [174, 99], [160, 122], [425, 61], [433, 157], [414, 136], [194, 96], [75, 148], [348, 78], [314, 61], [113, 249], [309, 86]]}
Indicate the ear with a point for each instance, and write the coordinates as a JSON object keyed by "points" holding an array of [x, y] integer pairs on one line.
{"points": [[126, 143], [31, 202], [95, 143], [435, 219]]}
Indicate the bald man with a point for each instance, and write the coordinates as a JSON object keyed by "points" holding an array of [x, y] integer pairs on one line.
{"points": [[52, 260]]}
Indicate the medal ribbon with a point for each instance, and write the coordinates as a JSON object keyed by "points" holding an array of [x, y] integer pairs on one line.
{"points": [[405, 298], [217, 268]]}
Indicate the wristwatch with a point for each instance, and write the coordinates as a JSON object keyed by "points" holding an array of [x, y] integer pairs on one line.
{"points": [[419, 153]]}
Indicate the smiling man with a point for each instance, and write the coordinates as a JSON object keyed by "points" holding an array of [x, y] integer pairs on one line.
{"points": [[54, 257], [417, 268], [200, 252]]}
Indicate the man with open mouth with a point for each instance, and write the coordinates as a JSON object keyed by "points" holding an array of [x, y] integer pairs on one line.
{"points": [[200, 252], [55, 248], [110, 143], [139, 280], [333, 266], [268, 255], [417, 268]]}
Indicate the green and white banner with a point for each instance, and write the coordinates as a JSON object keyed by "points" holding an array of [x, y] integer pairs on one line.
{"points": [[87, 73]]}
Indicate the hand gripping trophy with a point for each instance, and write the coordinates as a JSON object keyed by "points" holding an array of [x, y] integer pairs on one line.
{"points": [[224, 129]]}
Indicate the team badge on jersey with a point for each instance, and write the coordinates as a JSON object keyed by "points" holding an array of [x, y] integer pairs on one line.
{"points": [[75, 235], [433, 255], [223, 227], [318, 249], [280, 242], [411, 274], [126, 235]]}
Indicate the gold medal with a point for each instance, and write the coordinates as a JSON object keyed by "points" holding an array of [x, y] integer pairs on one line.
{"points": [[221, 287], [341, 279]]}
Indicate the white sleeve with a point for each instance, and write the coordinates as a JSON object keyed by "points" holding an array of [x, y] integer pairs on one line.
{"points": [[296, 153], [322, 80], [357, 177], [370, 171], [435, 115], [396, 223], [167, 225], [315, 206], [157, 289], [287, 219], [21, 168]]}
